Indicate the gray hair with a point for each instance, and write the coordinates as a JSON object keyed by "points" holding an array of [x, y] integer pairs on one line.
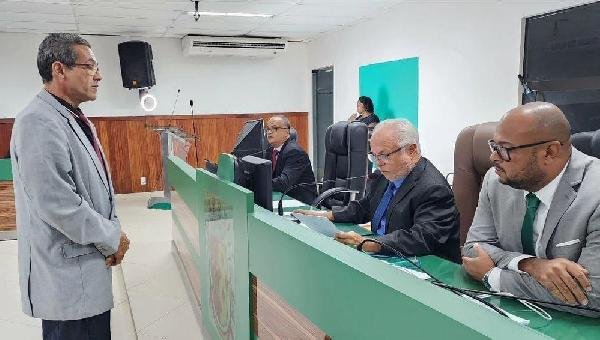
{"points": [[404, 132], [58, 47], [285, 120]]}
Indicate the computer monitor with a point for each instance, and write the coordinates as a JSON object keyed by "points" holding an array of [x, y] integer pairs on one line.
{"points": [[255, 174], [251, 140]]}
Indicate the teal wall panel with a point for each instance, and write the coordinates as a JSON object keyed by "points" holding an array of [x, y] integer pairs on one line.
{"points": [[394, 88], [5, 170]]}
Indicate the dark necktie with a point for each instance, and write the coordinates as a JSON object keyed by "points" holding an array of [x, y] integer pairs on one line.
{"points": [[95, 142], [382, 208], [274, 158], [532, 204]]}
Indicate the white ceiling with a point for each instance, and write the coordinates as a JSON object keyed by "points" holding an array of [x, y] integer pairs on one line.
{"points": [[293, 19]]}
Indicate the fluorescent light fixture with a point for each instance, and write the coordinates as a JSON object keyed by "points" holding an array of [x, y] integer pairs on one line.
{"points": [[232, 14]]}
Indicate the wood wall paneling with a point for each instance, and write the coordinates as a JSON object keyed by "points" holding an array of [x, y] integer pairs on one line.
{"points": [[5, 133], [133, 149], [7, 207]]}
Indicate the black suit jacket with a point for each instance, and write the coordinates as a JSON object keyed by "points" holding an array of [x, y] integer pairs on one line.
{"points": [[422, 218], [293, 167]]}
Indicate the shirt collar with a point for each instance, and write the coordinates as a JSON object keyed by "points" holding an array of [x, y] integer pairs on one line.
{"points": [[546, 193], [281, 146], [398, 182], [75, 110]]}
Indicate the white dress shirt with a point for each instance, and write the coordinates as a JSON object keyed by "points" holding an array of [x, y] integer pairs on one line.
{"points": [[545, 195]]}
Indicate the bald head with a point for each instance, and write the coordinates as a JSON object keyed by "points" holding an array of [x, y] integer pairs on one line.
{"points": [[278, 130], [533, 145], [538, 121]]}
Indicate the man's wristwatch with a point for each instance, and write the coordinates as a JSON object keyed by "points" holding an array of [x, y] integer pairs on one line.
{"points": [[486, 281]]}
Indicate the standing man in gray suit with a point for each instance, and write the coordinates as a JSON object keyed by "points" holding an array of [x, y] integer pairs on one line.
{"points": [[536, 231], [69, 235]]}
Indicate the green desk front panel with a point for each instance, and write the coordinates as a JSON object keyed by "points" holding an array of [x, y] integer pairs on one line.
{"points": [[5, 170], [350, 295], [217, 242]]}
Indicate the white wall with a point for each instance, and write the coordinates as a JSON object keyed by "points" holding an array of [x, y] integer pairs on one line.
{"points": [[215, 84], [469, 57]]}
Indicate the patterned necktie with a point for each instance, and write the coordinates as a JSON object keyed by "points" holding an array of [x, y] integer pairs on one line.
{"points": [[274, 158], [532, 204], [382, 209]]}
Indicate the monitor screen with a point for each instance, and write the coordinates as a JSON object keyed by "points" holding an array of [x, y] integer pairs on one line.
{"points": [[256, 175], [251, 140]]}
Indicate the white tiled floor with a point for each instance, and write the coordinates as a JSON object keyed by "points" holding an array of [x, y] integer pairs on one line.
{"points": [[147, 285]]}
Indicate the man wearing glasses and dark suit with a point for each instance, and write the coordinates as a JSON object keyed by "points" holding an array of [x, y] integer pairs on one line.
{"points": [[410, 204], [291, 165], [536, 230]]}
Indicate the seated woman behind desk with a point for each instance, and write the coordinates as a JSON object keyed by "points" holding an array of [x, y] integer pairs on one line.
{"points": [[365, 113]]}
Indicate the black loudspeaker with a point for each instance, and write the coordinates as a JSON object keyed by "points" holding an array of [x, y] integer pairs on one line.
{"points": [[136, 64]]}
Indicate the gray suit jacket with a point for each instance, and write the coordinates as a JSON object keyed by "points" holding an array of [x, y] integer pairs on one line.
{"points": [[571, 230], [66, 220]]}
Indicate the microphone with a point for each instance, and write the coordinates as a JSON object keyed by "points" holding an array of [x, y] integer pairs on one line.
{"points": [[529, 94], [192, 107], [175, 103], [280, 202]]}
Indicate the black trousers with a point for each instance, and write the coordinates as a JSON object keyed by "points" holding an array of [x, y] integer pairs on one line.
{"points": [[93, 328]]}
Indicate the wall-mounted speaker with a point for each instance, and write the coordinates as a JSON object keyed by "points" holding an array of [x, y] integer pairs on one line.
{"points": [[136, 64]]}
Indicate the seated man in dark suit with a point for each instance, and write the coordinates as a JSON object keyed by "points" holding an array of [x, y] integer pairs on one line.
{"points": [[410, 204], [536, 231], [291, 165]]}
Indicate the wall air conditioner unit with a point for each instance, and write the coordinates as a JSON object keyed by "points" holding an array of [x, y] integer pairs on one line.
{"points": [[232, 46]]}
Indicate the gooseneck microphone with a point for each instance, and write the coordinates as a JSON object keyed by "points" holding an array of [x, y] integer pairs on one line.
{"points": [[530, 95], [175, 103], [280, 202]]}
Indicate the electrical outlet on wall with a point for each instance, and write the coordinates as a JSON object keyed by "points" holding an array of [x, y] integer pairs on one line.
{"points": [[143, 180]]}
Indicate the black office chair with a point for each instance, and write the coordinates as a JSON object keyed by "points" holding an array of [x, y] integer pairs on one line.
{"points": [[587, 142], [346, 147]]}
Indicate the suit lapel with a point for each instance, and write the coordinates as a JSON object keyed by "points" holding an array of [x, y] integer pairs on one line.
{"points": [[563, 197], [279, 165], [63, 111], [407, 185]]}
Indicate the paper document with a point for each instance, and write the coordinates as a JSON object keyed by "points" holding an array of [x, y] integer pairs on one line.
{"points": [[319, 224]]}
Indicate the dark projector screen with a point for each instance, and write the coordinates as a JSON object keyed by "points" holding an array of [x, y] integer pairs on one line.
{"points": [[561, 62], [563, 44]]}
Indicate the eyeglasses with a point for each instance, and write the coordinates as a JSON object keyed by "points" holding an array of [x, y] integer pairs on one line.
{"points": [[92, 68], [504, 152], [383, 157], [275, 129]]}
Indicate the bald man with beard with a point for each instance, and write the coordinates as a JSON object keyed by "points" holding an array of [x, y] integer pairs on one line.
{"points": [[536, 231]]}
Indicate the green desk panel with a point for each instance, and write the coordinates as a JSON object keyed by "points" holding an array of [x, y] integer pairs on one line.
{"points": [[351, 295], [5, 170], [210, 218]]}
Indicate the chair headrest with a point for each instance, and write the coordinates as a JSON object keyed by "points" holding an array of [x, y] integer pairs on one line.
{"points": [[596, 144], [587, 142], [336, 142], [293, 135], [481, 151]]}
